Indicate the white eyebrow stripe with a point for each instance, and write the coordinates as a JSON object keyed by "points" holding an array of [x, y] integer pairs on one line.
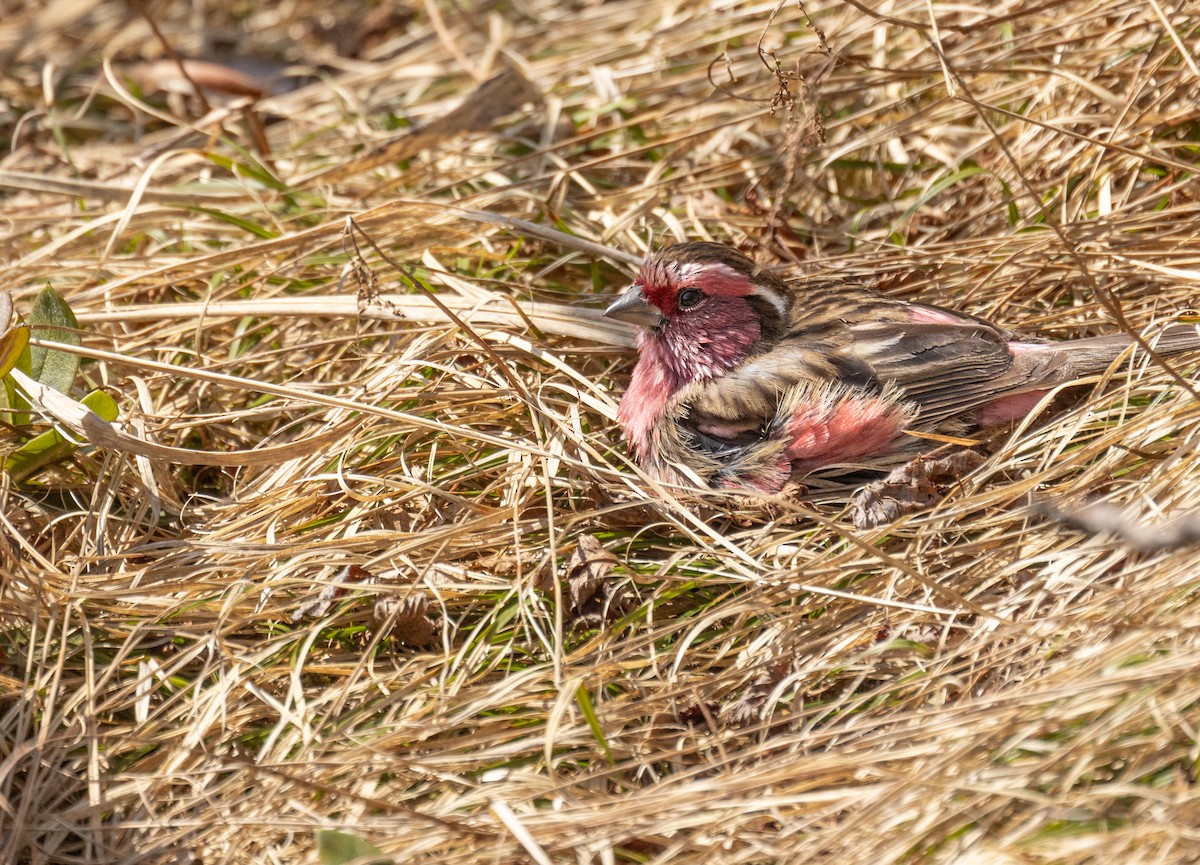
{"points": [[692, 268], [773, 297]]}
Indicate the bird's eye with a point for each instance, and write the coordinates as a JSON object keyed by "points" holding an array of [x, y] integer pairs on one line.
{"points": [[689, 297]]}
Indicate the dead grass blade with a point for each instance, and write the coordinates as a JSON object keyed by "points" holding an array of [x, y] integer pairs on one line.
{"points": [[368, 558]]}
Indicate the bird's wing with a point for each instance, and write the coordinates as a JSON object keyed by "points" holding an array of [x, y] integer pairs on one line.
{"points": [[943, 368]]}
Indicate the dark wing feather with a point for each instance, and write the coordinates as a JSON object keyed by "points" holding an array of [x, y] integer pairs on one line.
{"points": [[943, 361], [945, 369]]}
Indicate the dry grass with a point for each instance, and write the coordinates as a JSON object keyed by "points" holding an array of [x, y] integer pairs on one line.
{"points": [[179, 682]]}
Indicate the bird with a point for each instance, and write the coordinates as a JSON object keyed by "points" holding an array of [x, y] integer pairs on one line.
{"points": [[747, 381]]}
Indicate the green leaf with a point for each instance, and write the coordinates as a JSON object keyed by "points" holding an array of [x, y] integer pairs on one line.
{"points": [[1014, 215], [336, 848], [102, 404], [53, 321], [12, 346], [14, 353], [51, 446], [14, 408]]}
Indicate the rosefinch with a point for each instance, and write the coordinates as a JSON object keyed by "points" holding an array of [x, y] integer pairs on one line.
{"points": [[745, 380]]}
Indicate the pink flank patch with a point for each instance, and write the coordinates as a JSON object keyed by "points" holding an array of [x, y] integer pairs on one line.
{"points": [[848, 429], [1009, 408], [640, 408]]}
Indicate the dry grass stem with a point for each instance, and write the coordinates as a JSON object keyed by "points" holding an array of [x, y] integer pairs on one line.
{"points": [[364, 551]]}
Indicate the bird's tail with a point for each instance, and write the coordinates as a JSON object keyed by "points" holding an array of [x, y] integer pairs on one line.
{"points": [[1082, 357]]}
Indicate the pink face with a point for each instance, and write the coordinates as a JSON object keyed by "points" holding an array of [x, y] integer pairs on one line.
{"points": [[709, 324], [677, 288], [709, 328]]}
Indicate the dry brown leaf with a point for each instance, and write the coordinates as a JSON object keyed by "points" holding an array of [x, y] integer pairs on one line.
{"points": [[912, 487], [587, 570], [594, 594], [408, 618], [751, 705]]}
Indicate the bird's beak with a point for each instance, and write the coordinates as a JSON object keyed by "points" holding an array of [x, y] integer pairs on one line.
{"points": [[633, 308]]}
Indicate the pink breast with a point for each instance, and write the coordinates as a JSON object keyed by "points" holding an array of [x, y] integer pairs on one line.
{"points": [[651, 385]]}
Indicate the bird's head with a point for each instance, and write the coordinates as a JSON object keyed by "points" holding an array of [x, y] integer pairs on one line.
{"points": [[702, 308]]}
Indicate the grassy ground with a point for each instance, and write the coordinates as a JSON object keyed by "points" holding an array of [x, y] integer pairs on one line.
{"points": [[407, 584]]}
